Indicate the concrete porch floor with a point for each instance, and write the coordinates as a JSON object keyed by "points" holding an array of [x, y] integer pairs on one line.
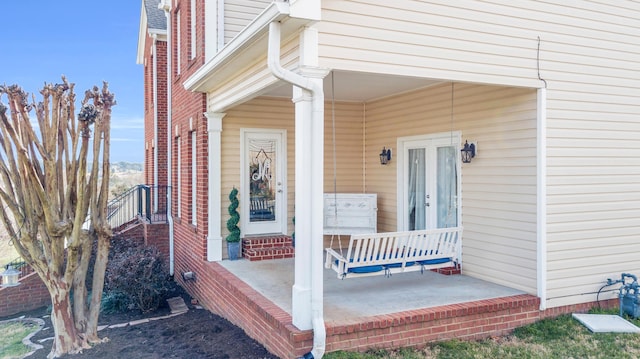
{"points": [[348, 300]]}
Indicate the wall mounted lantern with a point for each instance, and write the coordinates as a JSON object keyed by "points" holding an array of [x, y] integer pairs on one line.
{"points": [[10, 277], [468, 152], [385, 156]]}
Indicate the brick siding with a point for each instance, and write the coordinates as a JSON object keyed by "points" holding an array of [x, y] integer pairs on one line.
{"points": [[30, 294], [189, 107]]}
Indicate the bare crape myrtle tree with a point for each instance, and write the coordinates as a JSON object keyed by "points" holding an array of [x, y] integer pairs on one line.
{"points": [[54, 179]]}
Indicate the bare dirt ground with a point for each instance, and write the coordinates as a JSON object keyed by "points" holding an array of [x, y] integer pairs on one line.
{"points": [[192, 335]]}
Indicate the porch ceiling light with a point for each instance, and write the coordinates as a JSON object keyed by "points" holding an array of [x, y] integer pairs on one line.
{"points": [[10, 277], [468, 152], [385, 156]]}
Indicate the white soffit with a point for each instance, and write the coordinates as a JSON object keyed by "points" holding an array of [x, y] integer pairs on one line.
{"points": [[361, 86]]}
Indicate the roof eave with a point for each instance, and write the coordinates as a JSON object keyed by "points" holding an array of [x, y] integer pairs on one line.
{"points": [[242, 49], [142, 35]]}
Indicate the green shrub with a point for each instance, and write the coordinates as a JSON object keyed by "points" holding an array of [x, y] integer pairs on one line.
{"points": [[114, 302], [232, 222]]}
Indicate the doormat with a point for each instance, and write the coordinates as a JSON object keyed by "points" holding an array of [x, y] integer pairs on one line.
{"points": [[604, 323]]}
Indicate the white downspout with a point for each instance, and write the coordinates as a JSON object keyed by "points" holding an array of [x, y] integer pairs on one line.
{"points": [[154, 53], [317, 119], [166, 6]]}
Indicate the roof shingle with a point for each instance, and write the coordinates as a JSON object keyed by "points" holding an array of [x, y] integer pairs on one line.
{"points": [[155, 17]]}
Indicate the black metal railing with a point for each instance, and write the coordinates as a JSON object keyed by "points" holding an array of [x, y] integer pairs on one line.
{"points": [[156, 199], [141, 201], [145, 201]]}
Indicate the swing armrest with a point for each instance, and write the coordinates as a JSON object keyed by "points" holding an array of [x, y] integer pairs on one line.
{"points": [[331, 254]]}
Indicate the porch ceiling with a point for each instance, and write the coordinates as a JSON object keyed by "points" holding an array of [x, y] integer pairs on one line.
{"points": [[361, 86]]}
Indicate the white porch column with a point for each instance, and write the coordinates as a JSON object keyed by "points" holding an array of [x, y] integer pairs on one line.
{"points": [[301, 296], [214, 236], [542, 197]]}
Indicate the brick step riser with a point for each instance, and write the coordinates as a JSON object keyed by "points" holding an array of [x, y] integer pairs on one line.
{"points": [[259, 243], [269, 253], [265, 248]]}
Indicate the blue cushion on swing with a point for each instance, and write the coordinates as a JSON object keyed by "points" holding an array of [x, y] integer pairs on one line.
{"points": [[366, 269], [435, 261], [398, 265]]}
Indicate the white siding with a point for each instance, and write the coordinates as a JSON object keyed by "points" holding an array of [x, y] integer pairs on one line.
{"points": [[479, 41], [239, 13], [590, 59]]}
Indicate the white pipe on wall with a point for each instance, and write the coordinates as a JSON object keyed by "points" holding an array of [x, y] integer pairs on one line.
{"points": [[154, 53]]}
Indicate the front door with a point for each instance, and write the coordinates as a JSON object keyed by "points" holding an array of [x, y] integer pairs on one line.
{"points": [[429, 182], [263, 181]]}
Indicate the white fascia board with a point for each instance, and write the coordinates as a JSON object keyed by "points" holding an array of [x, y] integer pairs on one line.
{"points": [[142, 35], [308, 9], [242, 49]]}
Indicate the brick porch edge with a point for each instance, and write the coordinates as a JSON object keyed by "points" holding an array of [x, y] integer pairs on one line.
{"points": [[233, 299]]}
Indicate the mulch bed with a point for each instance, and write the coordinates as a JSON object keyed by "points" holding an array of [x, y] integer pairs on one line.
{"points": [[194, 334]]}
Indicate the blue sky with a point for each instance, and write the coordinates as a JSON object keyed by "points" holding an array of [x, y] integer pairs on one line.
{"points": [[87, 41]]}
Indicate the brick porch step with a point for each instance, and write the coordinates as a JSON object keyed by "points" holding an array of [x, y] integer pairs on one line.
{"points": [[267, 247]]}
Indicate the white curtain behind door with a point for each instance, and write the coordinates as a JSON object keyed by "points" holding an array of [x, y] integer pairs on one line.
{"points": [[416, 189], [447, 187]]}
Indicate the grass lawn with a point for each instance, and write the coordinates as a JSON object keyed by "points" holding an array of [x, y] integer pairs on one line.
{"points": [[11, 335], [561, 337]]}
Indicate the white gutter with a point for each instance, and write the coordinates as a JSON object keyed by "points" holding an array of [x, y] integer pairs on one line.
{"points": [[166, 6], [227, 57], [317, 118], [542, 198]]}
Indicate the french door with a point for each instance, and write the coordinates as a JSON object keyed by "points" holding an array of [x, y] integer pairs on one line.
{"points": [[428, 182], [263, 188]]}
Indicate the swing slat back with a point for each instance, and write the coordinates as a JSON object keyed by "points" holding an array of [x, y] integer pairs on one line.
{"points": [[397, 252]]}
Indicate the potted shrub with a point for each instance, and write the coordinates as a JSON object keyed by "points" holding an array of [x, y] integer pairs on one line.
{"points": [[233, 239]]}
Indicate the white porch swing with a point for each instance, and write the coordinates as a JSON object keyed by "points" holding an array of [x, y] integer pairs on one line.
{"points": [[370, 253]]}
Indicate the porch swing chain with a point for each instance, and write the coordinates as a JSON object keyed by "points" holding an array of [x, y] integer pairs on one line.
{"points": [[451, 202], [335, 186]]}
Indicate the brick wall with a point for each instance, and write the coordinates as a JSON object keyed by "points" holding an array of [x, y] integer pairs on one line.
{"points": [[226, 295], [158, 235], [187, 115], [30, 294], [152, 102]]}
